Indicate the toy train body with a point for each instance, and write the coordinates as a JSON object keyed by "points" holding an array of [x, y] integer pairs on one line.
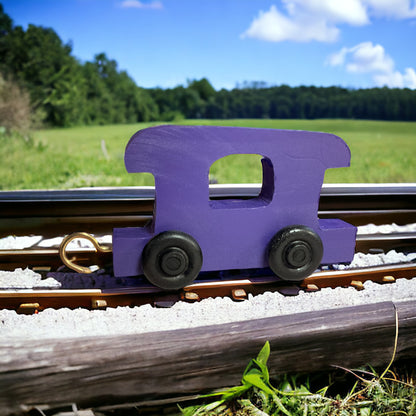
{"points": [[190, 232]]}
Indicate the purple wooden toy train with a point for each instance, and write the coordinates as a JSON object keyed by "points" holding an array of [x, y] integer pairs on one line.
{"points": [[190, 232]]}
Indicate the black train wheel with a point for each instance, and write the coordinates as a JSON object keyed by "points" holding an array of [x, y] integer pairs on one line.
{"points": [[295, 252], [172, 260]]}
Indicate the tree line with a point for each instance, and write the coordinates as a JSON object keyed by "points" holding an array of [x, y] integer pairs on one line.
{"points": [[64, 91], [200, 100]]}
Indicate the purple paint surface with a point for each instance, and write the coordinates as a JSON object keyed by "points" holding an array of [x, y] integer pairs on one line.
{"points": [[233, 234]]}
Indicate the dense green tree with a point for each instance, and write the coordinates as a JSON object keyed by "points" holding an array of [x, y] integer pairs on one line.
{"points": [[69, 92], [113, 97], [6, 23], [44, 65], [203, 87]]}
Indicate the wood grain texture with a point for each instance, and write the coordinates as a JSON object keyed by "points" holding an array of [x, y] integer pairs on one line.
{"points": [[137, 368], [406, 313]]}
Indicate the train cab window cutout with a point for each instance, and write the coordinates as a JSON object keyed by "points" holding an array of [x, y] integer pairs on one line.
{"points": [[190, 232], [265, 194]]}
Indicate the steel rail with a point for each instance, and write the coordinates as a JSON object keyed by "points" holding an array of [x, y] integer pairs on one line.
{"points": [[48, 259], [43, 208], [98, 210], [30, 301], [208, 357]]}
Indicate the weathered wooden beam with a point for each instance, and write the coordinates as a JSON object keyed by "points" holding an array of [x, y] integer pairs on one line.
{"points": [[406, 313], [140, 368]]}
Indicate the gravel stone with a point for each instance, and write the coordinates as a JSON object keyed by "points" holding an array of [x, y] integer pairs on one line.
{"points": [[386, 229], [26, 279], [18, 243], [64, 323]]}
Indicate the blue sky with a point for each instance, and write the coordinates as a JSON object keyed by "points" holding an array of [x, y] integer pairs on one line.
{"points": [[350, 43]]}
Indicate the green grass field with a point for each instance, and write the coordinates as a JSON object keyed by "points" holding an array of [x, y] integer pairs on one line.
{"points": [[74, 157]]}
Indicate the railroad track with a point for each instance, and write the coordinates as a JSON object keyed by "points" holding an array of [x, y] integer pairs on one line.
{"points": [[178, 363], [100, 210], [33, 301], [97, 211]]}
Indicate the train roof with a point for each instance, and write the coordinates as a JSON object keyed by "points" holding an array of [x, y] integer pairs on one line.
{"points": [[168, 149]]}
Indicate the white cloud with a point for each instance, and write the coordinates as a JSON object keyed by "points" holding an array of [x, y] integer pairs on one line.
{"points": [[352, 12], [397, 80], [367, 57], [373, 59], [337, 58], [397, 9], [274, 26], [136, 4], [318, 20]]}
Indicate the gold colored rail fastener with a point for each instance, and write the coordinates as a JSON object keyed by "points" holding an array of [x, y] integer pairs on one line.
{"points": [[64, 256], [28, 308], [357, 284], [239, 294], [99, 304], [311, 287], [190, 296]]}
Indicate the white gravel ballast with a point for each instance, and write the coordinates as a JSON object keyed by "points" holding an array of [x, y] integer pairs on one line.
{"points": [[65, 323]]}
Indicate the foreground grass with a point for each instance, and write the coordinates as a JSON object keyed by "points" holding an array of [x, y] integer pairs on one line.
{"points": [[93, 156], [366, 393]]}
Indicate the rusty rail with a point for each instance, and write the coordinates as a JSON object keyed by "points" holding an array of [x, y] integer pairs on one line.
{"points": [[32, 301]]}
